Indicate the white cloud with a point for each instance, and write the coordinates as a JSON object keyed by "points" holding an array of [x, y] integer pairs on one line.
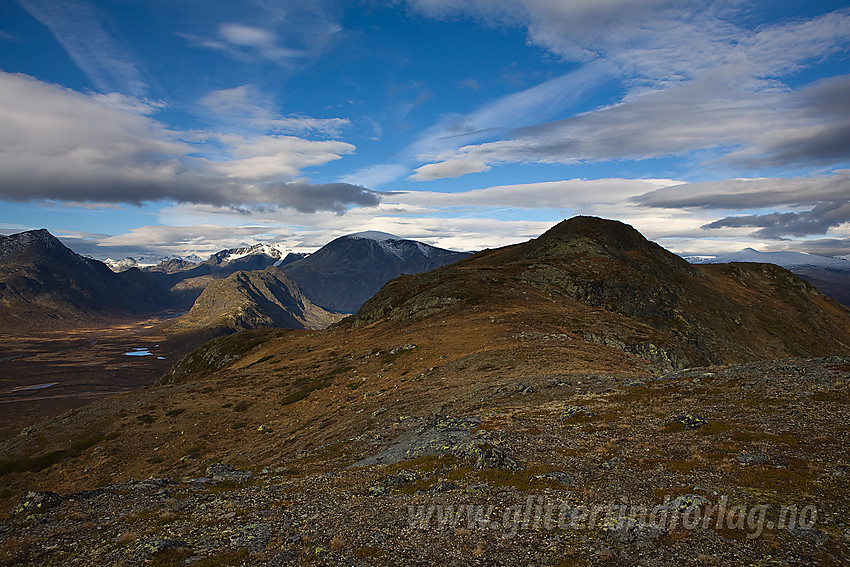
{"points": [[695, 81], [750, 128], [275, 157], [265, 42], [308, 233], [450, 168], [59, 144]]}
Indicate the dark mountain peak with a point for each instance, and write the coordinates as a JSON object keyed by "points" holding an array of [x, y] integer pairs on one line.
{"points": [[593, 236], [31, 242], [350, 269], [605, 231], [42, 281], [591, 248]]}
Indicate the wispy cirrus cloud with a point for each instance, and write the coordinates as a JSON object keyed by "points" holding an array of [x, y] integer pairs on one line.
{"points": [[702, 84], [247, 106], [78, 26], [806, 127]]}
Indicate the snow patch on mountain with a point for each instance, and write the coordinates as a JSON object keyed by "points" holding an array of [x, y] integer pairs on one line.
{"points": [[375, 235], [425, 249], [272, 250]]}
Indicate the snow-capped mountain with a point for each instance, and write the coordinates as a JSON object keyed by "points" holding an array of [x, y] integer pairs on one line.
{"points": [[784, 259], [148, 261], [122, 264], [347, 271], [276, 251], [186, 280]]}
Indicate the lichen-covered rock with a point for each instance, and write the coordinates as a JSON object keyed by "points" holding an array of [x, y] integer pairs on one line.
{"points": [[401, 478], [560, 477], [682, 504], [443, 486], [37, 503], [689, 420], [444, 436], [746, 459], [571, 411], [493, 458], [631, 531], [146, 550], [806, 532]]}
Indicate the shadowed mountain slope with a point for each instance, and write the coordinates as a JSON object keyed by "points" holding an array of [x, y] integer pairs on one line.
{"points": [[45, 284], [349, 270]]}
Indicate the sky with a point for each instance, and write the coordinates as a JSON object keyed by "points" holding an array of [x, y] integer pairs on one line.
{"points": [[176, 127]]}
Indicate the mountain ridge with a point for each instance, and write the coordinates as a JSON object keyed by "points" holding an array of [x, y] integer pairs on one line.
{"points": [[618, 288], [43, 282], [252, 299]]}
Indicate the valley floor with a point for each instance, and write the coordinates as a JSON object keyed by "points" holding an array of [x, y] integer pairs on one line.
{"points": [[45, 374]]}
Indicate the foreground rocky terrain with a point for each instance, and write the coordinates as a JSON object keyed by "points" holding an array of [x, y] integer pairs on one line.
{"points": [[744, 465], [584, 398]]}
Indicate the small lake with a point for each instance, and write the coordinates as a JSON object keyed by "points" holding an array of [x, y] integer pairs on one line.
{"points": [[33, 387], [138, 352]]}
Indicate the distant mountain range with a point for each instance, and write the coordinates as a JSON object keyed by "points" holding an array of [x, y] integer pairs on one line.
{"points": [[784, 259], [186, 280], [42, 282], [830, 275]]}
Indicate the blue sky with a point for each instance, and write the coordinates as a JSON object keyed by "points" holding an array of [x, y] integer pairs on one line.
{"points": [[179, 126]]}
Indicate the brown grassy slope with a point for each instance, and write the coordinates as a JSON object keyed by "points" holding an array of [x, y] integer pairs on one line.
{"points": [[591, 302], [614, 287]]}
